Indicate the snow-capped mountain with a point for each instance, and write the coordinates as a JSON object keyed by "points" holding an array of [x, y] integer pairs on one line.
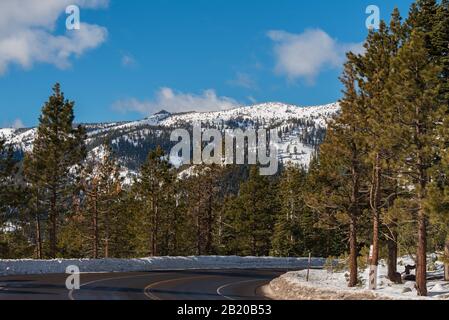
{"points": [[21, 139], [302, 129], [267, 114]]}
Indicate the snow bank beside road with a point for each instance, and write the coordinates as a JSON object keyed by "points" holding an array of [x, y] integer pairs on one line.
{"points": [[326, 285], [321, 286], [23, 267]]}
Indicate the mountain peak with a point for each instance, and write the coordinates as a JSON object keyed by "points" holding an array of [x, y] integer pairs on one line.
{"points": [[162, 112]]}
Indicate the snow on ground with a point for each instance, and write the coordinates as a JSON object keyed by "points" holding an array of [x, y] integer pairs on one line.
{"points": [[326, 285], [22, 267]]}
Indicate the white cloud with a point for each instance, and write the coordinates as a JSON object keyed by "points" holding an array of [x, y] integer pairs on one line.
{"points": [[243, 80], [128, 60], [27, 30], [18, 124], [170, 100], [252, 99], [305, 55]]}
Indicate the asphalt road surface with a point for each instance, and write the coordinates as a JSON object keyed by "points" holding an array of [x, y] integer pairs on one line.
{"points": [[157, 285]]}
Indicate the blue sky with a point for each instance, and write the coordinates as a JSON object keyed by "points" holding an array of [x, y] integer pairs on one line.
{"points": [[131, 58]]}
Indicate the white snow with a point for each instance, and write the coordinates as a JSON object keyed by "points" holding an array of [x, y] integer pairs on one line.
{"points": [[6, 133], [324, 284], [268, 115], [21, 267], [19, 139]]}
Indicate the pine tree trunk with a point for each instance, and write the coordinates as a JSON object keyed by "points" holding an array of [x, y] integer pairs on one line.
{"points": [[153, 239], [209, 227], [175, 232], [53, 225], [353, 216], [421, 257], [253, 228], [156, 232], [39, 253], [446, 260], [353, 272], [95, 230], [392, 243], [220, 229], [154, 227], [375, 206], [107, 235], [198, 232], [392, 259], [254, 252], [39, 237], [106, 249]]}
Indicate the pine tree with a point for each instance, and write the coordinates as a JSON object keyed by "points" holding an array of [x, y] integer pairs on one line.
{"points": [[151, 191], [101, 186], [229, 226], [422, 19], [7, 171], [374, 69], [58, 151], [177, 225], [294, 223], [7, 196], [438, 206], [440, 184], [14, 225], [257, 218], [440, 188], [340, 174], [440, 42], [204, 201], [391, 222], [414, 86]]}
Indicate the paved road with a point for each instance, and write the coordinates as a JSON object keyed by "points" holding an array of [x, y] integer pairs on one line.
{"points": [[169, 285]]}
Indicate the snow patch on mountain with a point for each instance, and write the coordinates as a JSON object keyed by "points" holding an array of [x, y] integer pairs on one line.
{"points": [[265, 114], [20, 139], [6, 133], [301, 129]]}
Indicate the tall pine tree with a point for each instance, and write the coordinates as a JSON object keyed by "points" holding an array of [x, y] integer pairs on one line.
{"points": [[258, 216], [58, 152], [101, 187], [153, 193], [414, 86], [295, 233], [340, 175], [374, 68]]}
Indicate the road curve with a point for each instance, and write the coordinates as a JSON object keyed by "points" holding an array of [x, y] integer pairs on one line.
{"points": [[158, 285]]}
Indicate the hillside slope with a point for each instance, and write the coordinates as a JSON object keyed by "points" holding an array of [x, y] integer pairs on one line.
{"points": [[302, 130]]}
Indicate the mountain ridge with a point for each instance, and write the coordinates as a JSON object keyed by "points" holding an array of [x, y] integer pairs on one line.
{"points": [[302, 130]]}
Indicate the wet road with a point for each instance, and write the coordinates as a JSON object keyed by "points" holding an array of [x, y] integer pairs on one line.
{"points": [[157, 285]]}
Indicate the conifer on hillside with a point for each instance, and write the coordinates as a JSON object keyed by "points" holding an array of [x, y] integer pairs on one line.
{"points": [[53, 166]]}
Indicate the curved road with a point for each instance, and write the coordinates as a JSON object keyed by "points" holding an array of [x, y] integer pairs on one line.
{"points": [[157, 285]]}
